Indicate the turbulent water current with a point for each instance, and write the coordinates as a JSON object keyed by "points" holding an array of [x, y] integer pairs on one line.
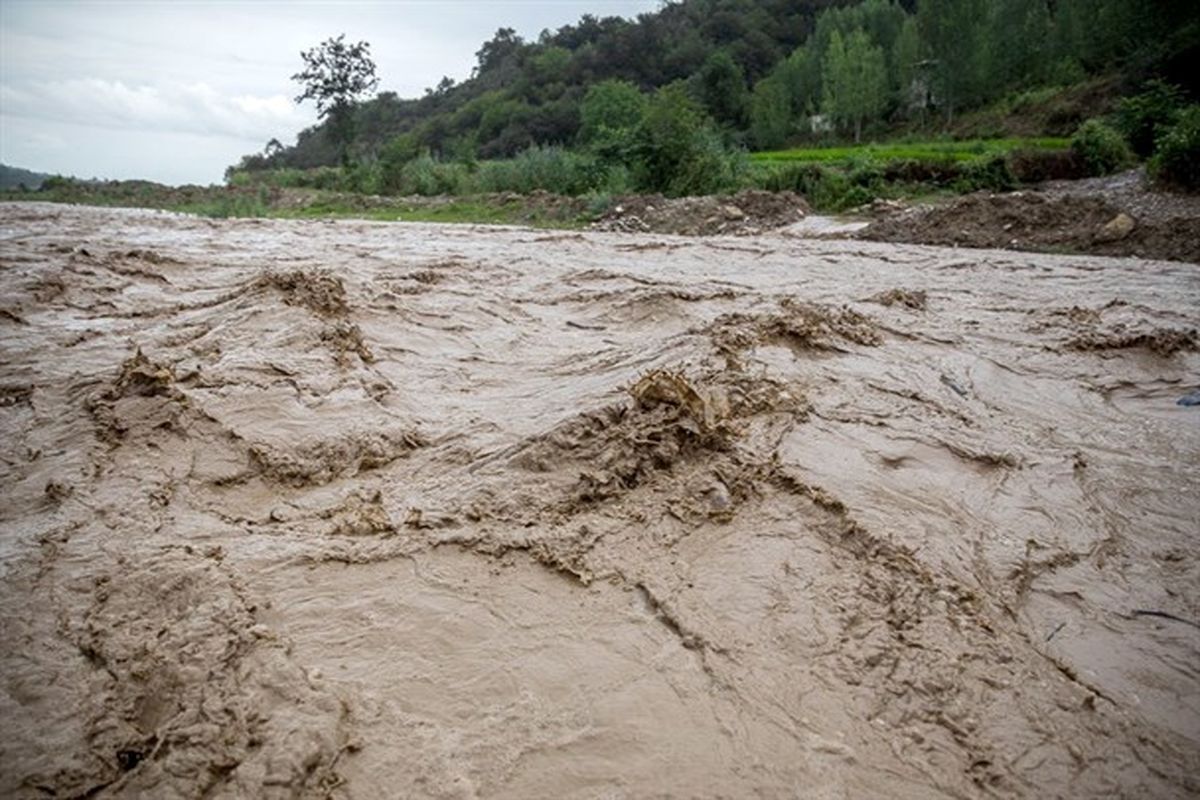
{"points": [[363, 510]]}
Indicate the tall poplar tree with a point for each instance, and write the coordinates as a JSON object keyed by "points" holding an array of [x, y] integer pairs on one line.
{"points": [[855, 80]]}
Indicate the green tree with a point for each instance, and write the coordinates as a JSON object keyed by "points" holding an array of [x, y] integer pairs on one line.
{"points": [[1144, 117], [677, 150], [721, 87], [335, 75], [610, 115], [906, 55], [770, 113], [855, 81], [1018, 43], [953, 31]]}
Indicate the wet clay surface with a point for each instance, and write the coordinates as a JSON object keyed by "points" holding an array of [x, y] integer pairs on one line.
{"points": [[1112, 216], [360, 510]]}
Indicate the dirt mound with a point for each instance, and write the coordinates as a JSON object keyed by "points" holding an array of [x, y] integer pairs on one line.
{"points": [[1042, 221], [746, 213]]}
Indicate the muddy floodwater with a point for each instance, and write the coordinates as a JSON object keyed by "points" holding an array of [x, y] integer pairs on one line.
{"points": [[363, 510]]}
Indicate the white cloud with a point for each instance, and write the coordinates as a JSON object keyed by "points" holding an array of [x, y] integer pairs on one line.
{"points": [[122, 89], [172, 107]]}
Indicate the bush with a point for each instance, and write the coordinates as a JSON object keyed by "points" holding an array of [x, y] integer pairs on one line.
{"points": [[992, 174], [331, 178], [825, 188], [1144, 117], [678, 152], [1177, 159], [1102, 150], [424, 175], [550, 169]]}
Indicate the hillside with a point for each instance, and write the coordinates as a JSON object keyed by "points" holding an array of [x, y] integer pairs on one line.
{"points": [[760, 69], [16, 177]]}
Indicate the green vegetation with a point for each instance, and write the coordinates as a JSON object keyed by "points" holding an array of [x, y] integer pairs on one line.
{"points": [[335, 75], [957, 95], [1145, 117], [763, 74], [266, 200], [895, 151], [1102, 150], [855, 81], [1177, 159], [16, 178]]}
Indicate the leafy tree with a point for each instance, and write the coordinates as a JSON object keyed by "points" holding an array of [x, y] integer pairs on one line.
{"points": [[677, 149], [610, 115], [906, 55], [1018, 43], [502, 47], [953, 31], [1143, 117], [721, 87], [855, 81], [1178, 158], [770, 113], [335, 74]]}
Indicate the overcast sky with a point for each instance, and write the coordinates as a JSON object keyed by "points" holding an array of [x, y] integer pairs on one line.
{"points": [[177, 91]]}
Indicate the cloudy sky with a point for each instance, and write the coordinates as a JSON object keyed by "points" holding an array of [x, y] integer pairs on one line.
{"points": [[175, 91]]}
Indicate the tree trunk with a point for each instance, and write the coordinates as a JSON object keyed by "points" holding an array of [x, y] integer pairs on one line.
{"points": [[857, 130]]}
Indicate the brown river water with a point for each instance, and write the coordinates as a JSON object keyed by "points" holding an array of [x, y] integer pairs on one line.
{"points": [[362, 510]]}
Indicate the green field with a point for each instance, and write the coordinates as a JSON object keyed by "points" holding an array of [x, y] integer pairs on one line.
{"points": [[905, 151]]}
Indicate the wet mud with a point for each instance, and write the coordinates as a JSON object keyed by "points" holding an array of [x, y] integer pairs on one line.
{"points": [[318, 509], [1108, 221]]}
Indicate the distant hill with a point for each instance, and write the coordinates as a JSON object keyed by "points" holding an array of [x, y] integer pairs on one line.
{"points": [[15, 177]]}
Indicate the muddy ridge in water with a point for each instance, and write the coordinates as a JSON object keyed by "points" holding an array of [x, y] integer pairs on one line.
{"points": [[361, 510]]}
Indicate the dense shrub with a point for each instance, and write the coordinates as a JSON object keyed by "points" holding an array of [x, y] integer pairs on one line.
{"points": [[1144, 117], [1102, 150], [331, 178], [1177, 157], [424, 175], [825, 188], [550, 169], [677, 151], [992, 174]]}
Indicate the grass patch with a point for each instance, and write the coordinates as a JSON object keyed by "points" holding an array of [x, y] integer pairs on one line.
{"points": [[478, 211], [240, 201], [910, 151]]}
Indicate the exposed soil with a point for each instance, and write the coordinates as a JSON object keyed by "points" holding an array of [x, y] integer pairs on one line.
{"points": [[746, 213], [1118, 216], [358, 510]]}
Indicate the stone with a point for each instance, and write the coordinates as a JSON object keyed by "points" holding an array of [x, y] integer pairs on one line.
{"points": [[1117, 228]]}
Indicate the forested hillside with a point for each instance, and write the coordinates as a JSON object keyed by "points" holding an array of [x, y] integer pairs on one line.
{"points": [[768, 72], [15, 177]]}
